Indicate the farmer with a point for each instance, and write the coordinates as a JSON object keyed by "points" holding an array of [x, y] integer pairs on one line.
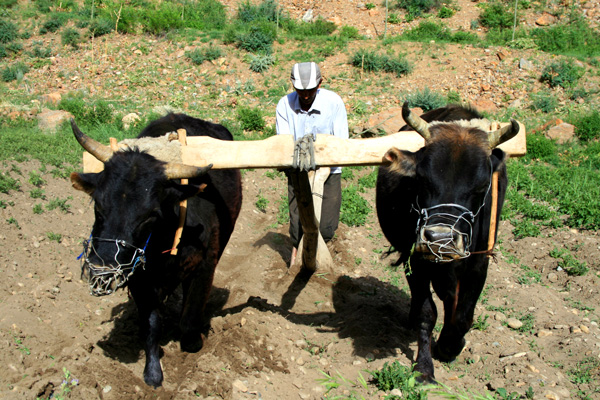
{"points": [[308, 110]]}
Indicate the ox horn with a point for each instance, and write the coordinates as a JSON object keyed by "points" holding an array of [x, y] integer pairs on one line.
{"points": [[97, 149], [414, 121], [503, 134], [182, 171]]}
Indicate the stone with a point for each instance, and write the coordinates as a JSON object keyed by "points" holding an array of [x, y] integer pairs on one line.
{"points": [[562, 133], [552, 277], [544, 333], [485, 105], [130, 120], [388, 122], [239, 386], [53, 98], [525, 64], [514, 323], [545, 20], [308, 16], [51, 120]]}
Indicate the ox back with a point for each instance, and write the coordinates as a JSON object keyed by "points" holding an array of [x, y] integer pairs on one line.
{"points": [[137, 212], [434, 207]]}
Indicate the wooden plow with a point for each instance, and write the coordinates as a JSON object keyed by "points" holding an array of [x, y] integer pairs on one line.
{"points": [[277, 152]]}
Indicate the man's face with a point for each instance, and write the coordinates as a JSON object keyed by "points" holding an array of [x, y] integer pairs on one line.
{"points": [[307, 97]]}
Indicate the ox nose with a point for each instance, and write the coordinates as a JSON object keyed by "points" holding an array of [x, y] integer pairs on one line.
{"points": [[440, 236]]}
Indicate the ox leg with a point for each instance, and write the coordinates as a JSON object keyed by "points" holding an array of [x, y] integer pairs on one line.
{"points": [[196, 290], [423, 313], [458, 318], [150, 330]]}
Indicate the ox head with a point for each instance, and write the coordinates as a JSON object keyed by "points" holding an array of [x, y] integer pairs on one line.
{"points": [[452, 175], [132, 196]]}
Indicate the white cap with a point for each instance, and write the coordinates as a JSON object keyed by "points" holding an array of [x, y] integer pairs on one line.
{"points": [[305, 75]]}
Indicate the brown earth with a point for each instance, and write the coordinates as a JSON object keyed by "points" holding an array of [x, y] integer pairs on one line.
{"points": [[273, 334]]}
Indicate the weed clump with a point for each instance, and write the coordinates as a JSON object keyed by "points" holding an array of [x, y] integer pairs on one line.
{"points": [[355, 208], [251, 119], [14, 72], [563, 73], [8, 31], [261, 62], [426, 99], [370, 61], [397, 376], [588, 126], [70, 37], [199, 55]]}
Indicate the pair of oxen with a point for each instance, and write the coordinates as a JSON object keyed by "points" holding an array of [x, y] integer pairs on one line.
{"points": [[435, 206]]}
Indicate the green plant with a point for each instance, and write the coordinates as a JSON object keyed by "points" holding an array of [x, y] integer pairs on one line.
{"points": [[261, 62], [355, 208], [481, 323], [100, 27], [261, 202], [251, 119], [60, 204], [36, 179], [7, 184], [503, 394], [67, 385], [258, 39], [426, 99], [8, 31], [20, 346], [563, 73], [56, 237], [370, 61], [496, 14], [283, 211], [13, 221], [544, 101], [370, 6], [38, 209], [569, 263], [14, 72], [574, 37], [331, 382], [70, 37], [53, 23], [445, 12], [397, 376], [394, 18], [416, 8], [587, 127], [199, 55]]}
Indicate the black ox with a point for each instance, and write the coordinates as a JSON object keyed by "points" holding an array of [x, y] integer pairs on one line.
{"points": [[434, 206], [136, 205]]}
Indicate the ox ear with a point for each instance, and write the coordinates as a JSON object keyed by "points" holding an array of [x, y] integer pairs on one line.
{"points": [[84, 182], [400, 162], [498, 158], [181, 192]]}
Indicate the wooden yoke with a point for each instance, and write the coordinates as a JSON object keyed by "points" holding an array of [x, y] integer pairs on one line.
{"points": [[306, 256]]}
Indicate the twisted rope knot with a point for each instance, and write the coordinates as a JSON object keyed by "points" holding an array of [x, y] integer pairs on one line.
{"points": [[304, 154]]}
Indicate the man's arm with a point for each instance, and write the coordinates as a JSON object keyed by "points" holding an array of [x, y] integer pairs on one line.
{"points": [[340, 122], [282, 125]]}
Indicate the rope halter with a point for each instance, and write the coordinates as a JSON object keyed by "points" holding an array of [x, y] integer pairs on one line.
{"points": [[106, 279]]}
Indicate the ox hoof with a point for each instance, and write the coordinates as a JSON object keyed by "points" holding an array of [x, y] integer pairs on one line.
{"points": [[447, 353], [153, 376], [426, 379], [191, 342]]}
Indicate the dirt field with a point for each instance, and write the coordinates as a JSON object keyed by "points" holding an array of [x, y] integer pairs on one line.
{"points": [[272, 333]]}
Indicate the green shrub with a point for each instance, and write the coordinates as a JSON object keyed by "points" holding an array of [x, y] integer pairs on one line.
{"points": [[204, 15], [259, 39], [261, 62], [199, 55], [416, 8], [540, 147], [445, 12], [53, 23], [165, 17], [41, 52], [427, 31], [3, 52], [96, 113], [587, 127], [348, 32], [251, 119], [426, 99], [70, 37], [544, 102], [100, 27], [496, 15], [397, 376], [563, 73], [575, 38], [14, 72], [394, 18], [267, 10], [370, 61], [6, 4], [355, 208], [8, 31], [319, 27]]}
